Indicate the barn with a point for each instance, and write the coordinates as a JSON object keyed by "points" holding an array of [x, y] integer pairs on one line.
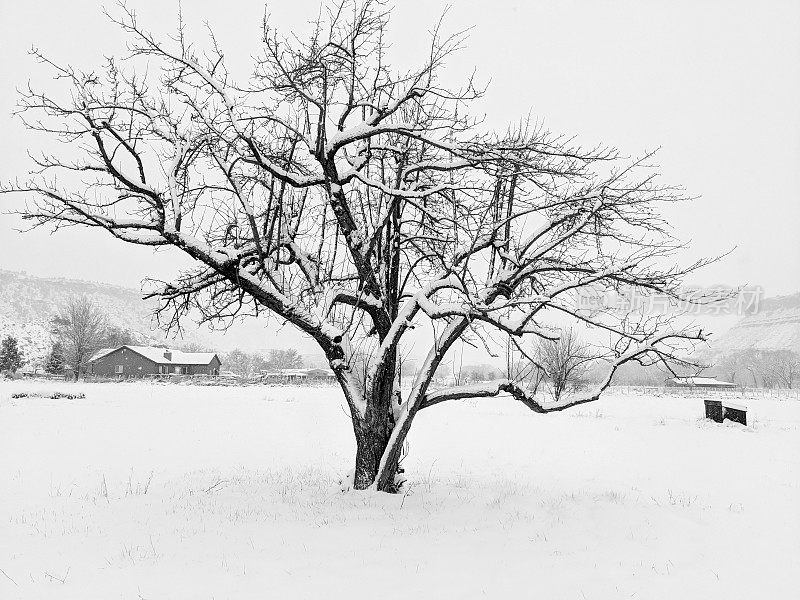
{"points": [[141, 361]]}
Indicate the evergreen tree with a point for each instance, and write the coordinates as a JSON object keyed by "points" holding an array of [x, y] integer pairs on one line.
{"points": [[10, 355], [55, 360]]}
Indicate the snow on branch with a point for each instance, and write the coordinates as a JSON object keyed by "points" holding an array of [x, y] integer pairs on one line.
{"points": [[354, 202], [536, 404]]}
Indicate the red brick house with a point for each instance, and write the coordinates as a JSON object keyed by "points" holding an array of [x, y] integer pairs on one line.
{"points": [[139, 361]]}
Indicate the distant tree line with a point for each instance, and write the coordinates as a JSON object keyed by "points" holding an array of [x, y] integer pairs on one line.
{"points": [[80, 328], [748, 367], [567, 365], [249, 364], [760, 368]]}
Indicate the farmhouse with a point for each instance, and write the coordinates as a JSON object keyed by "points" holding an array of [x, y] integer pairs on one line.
{"points": [[706, 383], [140, 361]]}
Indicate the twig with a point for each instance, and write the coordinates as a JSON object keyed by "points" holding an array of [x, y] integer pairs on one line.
{"points": [[213, 487], [54, 578], [8, 577], [406, 494]]}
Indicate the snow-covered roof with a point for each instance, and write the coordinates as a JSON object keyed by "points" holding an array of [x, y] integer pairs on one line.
{"points": [[101, 353], [164, 356], [701, 381], [318, 372]]}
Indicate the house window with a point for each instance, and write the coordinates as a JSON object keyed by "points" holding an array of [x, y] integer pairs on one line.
{"points": [[178, 370], [118, 369], [162, 369]]}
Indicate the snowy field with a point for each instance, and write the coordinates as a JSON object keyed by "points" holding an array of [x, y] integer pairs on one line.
{"points": [[142, 491]]}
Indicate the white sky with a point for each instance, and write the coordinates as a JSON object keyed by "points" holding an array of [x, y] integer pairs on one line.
{"points": [[716, 85]]}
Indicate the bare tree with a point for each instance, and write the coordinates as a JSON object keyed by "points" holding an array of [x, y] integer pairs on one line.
{"points": [[114, 336], [733, 364], [482, 372], [81, 327], [780, 367], [765, 368], [354, 201], [284, 359], [459, 376], [565, 362], [195, 347], [523, 368], [238, 362]]}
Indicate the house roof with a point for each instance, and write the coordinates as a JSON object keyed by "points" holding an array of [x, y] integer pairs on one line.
{"points": [[157, 355], [701, 381], [101, 353], [320, 372]]}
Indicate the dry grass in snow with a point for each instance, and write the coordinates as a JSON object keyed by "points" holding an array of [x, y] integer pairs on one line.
{"points": [[155, 492]]}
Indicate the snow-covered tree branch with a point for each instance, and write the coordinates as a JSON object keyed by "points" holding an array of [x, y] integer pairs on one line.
{"points": [[357, 202]]}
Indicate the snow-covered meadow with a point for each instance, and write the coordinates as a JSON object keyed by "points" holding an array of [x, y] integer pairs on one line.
{"points": [[143, 491]]}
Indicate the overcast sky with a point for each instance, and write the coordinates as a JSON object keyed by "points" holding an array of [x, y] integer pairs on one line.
{"points": [[715, 85]]}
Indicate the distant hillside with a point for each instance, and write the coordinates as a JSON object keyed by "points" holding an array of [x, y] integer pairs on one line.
{"points": [[33, 339], [28, 303], [776, 326]]}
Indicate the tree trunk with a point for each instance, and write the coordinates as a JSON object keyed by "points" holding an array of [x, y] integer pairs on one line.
{"points": [[370, 445], [373, 433]]}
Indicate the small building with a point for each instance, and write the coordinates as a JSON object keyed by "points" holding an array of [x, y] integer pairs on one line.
{"points": [[705, 383], [294, 375], [298, 376], [141, 361], [321, 375]]}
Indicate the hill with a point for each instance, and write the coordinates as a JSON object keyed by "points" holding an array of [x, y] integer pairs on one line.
{"points": [[28, 299], [28, 303], [776, 326]]}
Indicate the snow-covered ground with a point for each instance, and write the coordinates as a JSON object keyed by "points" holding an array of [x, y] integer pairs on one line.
{"points": [[143, 491]]}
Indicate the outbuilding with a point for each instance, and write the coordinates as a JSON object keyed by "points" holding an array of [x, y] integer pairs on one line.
{"points": [[695, 382]]}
